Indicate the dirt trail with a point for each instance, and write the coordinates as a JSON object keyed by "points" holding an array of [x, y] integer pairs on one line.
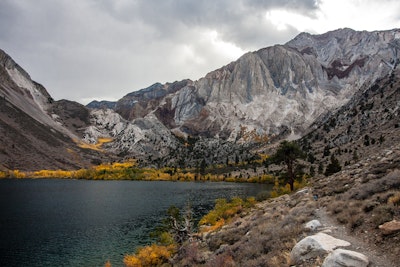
{"points": [[376, 258]]}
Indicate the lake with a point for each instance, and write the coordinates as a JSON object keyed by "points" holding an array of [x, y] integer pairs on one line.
{"points": [[60, 222]]}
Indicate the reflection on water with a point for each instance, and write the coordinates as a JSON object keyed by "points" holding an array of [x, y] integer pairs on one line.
{"points": [[85, 223]]}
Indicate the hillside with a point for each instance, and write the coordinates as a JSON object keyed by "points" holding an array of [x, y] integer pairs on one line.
{"points": [[38, 132], [351, 206], [368, 124]]}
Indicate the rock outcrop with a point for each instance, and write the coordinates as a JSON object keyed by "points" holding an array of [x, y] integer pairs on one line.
{"points": [[36, 131], [345, 258], [314, 246], [275, 90]]}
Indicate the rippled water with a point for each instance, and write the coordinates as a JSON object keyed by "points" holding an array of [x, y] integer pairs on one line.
{"points": [[85, 223]]}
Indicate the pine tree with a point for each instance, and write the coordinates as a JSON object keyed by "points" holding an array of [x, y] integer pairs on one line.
{"points": [[320, 168], [288, 153], [333, 166]]}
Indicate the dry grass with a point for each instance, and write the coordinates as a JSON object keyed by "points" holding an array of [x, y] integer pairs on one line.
{"points": [[381, 214], [97, 147], [395, 199]]}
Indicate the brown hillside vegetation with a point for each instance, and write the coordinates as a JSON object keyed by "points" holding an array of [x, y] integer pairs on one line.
{"points": [[353, 202]]}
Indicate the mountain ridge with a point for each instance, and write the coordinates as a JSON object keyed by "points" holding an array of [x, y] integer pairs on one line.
{"points": [[273, 92], [266, 95], [38, 132]]}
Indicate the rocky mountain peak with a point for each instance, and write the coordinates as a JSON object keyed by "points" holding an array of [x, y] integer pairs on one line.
{"points": [[102, 104], [275, 92], [17, 79]]}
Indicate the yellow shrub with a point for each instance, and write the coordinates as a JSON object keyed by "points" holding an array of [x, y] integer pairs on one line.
{"points": [[267, 178], [395, 200], [153, 255], [218, 224], [100, 142], [52, 174], [17, 174], [250, 201], [280, 190], [224, 211]]}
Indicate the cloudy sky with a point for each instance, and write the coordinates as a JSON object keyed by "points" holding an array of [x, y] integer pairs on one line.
{"points": [[103, 49]]}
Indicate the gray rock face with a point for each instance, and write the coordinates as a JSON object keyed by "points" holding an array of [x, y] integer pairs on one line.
{"points": [[101, 104], [104, 123], [314, 246], [36, 131], [17, 88], [147, 136], [345, 258], [278, 89]]}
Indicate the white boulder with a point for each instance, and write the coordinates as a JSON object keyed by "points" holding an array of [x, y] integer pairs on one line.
{"points": [[312, 225], [345, 258], [314, 246]]}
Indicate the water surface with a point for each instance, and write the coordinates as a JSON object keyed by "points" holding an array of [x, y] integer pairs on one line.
{"points": [[55, 222]]}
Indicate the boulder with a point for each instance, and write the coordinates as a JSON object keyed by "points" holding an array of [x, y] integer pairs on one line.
{"points": [[312, 225], [314, 246], [389, 228], [345, 258]]}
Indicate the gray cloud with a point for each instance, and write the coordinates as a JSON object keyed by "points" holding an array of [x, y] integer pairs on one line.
{"points": [[89, 49]]}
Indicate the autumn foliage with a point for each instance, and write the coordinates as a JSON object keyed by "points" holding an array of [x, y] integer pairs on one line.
{"points": [[98, 146], [128, 170], [223, 212], [154, 255]]}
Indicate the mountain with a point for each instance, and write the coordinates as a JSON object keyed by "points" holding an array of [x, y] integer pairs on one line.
{"points": [[283, 91], [101, 104], [275, 92], [362, 128], [38, 132]]}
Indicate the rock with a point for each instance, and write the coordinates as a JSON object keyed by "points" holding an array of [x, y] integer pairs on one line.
{"points": [[327, 231], [303, 191], [312, 225], [389, 228], [345, 258], [314, 246]]}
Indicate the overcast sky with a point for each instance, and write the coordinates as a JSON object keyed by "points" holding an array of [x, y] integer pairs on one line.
{"points": [[103, 49]]}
